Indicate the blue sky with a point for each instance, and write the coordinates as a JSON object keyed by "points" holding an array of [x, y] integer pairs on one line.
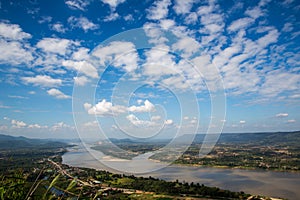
{"points": [[148, 68]]}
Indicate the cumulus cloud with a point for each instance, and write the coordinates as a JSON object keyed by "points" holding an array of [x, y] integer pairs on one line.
{"points": [[159, 62], [58, 27], [78, 4], [159, 10], [82, 53], [183, 7], [273, 84], [58, 94], [12, 32], [155, 118], [240, 24], [14, 53], [82, 22], [167, 24], [82, 66], [213, 23], [13, 45], [92, 124], [137, 122], [81, 80], [282, 115], [125, 53], [60, 125], [104, 108], [187, 45], [168, 122], [269, 38], [18, 124], [34, 126], [42, 80], [54, 45], [112, 17], [113, 3], [255, 12], [242, 121], [147, 107]]}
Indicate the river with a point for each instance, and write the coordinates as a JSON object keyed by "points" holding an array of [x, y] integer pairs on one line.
{"points": [[268, 183]]}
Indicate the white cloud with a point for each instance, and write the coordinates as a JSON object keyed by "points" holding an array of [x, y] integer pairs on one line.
{"points": [[82, 66], [112, 17], [42, 80], [78, 4], [14, 53], [188, 45], [255, 12], [224, 56], [45, 19], [36, 126], [82, 22], [282, 115], [155, 118], [263, 2], [242, 122], [159, 62], [278, 81], [137, 122], [269, 38], [113, 3], [18, 124], [104, 108], [81, 54], [139, 101], [58, 27], [147, 107], [294, 96], [54, 45], [191, 18], [58, 94], [91, 125], [167, 24], [183, 7], [81, 80], [240, 24], [212, 23], [60, 125], [125, 53], [12, 32], [159, 10], [128, 17], [288, 27], [17, 97], [291, 121], [178, 82], [168, 122]]}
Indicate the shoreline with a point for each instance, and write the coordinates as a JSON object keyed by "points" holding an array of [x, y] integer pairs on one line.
{"points": [[207, 166], [255, 181], [112, 158]]}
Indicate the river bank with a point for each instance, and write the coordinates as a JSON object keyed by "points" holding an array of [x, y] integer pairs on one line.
{"points": [[267, 183]]}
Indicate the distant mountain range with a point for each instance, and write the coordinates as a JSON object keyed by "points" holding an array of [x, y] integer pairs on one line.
{"points": [[10, 142], [267, 138], [264, 138]]}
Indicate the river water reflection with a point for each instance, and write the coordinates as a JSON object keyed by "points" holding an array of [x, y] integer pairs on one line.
{"points": [[275, 184]]}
